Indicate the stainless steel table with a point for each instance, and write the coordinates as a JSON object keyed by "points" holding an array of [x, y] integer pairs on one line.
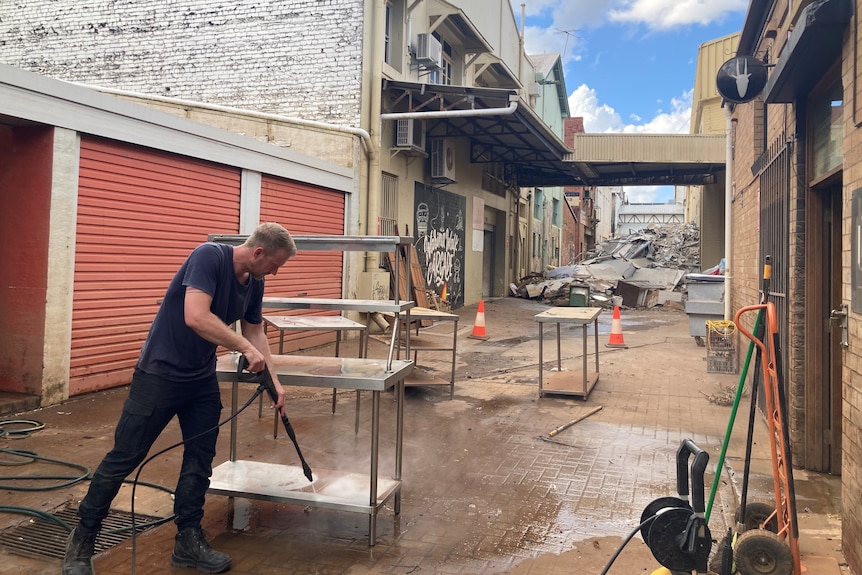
{"points": [[580, 382], [427, 341], [369, 306], [286, 483]]}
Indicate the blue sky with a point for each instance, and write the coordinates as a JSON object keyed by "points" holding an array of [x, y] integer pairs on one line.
{"points": [[629, 64]]}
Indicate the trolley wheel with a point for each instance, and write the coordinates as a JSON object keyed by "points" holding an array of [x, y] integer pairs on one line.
{"points": [[762, 552], [756, 513]]}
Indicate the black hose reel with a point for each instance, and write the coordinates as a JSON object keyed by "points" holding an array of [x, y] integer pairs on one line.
{"points": [[678, 535]]}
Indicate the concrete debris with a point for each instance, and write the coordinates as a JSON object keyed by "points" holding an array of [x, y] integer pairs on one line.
{"points": [[642, 270]]}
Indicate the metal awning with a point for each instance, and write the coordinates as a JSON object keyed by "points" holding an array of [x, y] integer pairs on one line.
{"points": [[813, 46], [535, 156], [530, 150]]}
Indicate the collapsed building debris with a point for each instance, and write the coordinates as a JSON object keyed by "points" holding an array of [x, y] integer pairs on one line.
{"points": [[643, 269]]}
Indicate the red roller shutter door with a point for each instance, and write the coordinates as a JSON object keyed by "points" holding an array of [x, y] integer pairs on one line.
{"points": [[304, 209], [140, 212]]}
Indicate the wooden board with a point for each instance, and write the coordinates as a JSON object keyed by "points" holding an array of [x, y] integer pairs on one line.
{"points": [[402, 276], [417, 279], [402, 280]]}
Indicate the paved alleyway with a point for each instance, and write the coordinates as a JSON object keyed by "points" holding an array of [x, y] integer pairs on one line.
{"points": [[483, 491]]}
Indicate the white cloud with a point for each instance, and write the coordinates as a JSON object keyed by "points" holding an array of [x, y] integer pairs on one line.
{"points": [[601, 118], [666, 14], [597, 117], [654, 14]]}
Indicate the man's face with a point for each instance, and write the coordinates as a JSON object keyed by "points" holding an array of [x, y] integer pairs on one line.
{"points": [[264, 264]]}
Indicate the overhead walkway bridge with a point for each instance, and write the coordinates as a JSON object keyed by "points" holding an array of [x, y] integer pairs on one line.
{"points": [[647, 159]]}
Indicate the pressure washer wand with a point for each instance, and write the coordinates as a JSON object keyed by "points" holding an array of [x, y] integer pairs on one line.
{"points": [[265, 380]]}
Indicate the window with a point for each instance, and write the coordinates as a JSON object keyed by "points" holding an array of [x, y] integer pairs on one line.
{"points": [[389, 206], [827, 131], [558, 213], [538, 204], [445, 73], [387, 35], [393, 34]]}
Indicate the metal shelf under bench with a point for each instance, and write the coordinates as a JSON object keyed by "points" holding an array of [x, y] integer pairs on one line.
{"points": [[254, 479]]}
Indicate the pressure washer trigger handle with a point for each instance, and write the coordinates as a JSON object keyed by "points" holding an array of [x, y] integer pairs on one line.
{"points": [[242, 373], [263, 377]]}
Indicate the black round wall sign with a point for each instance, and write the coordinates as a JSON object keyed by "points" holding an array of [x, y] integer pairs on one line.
{"points": [[741, 79]]}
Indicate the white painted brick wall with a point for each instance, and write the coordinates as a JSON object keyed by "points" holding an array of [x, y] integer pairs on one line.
{"points": [[292, 57]]}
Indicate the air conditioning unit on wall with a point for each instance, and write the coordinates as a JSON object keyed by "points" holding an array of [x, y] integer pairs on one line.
{"points": [[410, 134], [429, 51], [442, 161]]}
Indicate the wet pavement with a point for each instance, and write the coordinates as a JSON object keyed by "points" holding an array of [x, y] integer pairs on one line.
{"points": [[485, 489]]}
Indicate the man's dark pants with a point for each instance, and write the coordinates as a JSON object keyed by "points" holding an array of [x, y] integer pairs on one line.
{"points": [[151, 404]]}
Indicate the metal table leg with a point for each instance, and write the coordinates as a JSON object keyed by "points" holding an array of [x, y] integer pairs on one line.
{"points": [[375, 450], [541, 361]]}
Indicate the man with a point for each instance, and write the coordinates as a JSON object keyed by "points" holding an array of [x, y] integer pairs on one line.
{"points": [[216, 286]]}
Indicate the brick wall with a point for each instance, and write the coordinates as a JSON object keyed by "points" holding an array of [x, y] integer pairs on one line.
{"points": [[851, 430], [744, 256], [298, 58]]}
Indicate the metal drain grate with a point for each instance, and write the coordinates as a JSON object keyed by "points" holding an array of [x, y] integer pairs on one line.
{"points": [[42, 539]]}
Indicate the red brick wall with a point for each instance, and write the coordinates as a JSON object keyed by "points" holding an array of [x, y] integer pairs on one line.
{"points": [[25, 206]]}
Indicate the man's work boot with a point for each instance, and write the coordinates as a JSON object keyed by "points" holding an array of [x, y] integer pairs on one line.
{"points": [[192, 550], [79, 553]]}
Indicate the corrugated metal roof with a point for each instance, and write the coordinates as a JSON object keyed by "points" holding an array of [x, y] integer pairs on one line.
{"points": [[667, 148]]}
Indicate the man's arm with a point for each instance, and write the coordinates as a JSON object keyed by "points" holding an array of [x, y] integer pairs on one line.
{"points": [[207, 325], [255, 334]]}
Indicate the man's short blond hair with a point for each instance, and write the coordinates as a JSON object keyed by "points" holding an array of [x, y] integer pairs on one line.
{"points": [[272, 237]]}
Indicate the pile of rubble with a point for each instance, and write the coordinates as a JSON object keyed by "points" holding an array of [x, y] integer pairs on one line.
{"points": [[644, 269]]}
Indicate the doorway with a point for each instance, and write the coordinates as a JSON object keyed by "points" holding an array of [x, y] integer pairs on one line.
{"points": [[824, 362]]}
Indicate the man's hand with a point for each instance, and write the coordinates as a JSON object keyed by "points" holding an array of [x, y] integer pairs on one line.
{"points": [[279, 390], [256, 360]]}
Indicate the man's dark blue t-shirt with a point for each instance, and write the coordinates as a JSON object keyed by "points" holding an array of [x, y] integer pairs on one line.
{"points": [[173, 350]]}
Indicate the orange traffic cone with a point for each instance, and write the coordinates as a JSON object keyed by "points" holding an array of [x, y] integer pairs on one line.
{"points": [[616, 339], [444, 295], [479, 326]]}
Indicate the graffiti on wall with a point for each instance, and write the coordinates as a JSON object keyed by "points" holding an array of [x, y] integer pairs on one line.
{"points": [[438, 221]]}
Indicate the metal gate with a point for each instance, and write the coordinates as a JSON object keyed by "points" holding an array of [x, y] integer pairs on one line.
{"points": [[775, 190]]}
